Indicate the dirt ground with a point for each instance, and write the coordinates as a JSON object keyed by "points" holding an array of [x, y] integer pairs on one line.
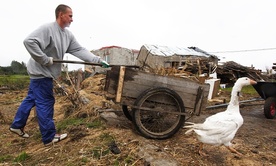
{"points": [[256, 139]]}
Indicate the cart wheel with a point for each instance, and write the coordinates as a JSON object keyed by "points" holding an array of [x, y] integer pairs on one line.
{"points": [[270, 108], [151, 121], [127, 112]]}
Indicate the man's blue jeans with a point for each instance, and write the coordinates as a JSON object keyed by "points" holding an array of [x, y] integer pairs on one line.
{"points": [[40, 95]]}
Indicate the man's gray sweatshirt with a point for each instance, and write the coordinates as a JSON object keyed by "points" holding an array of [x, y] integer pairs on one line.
{"points": [[50, 40]]}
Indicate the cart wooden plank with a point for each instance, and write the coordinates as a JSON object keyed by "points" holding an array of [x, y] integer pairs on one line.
{"points": [[120, 84]]}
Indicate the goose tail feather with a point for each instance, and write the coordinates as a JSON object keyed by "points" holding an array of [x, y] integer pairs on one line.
{"points": [[191, 126]]}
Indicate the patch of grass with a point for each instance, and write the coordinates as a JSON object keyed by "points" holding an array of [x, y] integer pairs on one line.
{"points": [[128, 160], [249, 90], [15, 82], [84, 160], [245, 90], [22, 157], [95, 124], [99, 152], [106, 138], [105, 152], [37, 135], [5, 158], [116, 163], [96, 152], [61, 125]]}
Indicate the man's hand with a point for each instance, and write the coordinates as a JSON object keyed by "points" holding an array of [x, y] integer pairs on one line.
{"points": [[50, 62], [105, 64]]}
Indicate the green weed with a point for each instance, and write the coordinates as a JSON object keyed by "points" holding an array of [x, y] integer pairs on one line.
{"points": [[22, 157]]}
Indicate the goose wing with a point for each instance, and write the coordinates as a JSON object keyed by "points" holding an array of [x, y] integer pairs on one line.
{"points": [[222, 128], [222, 123]]}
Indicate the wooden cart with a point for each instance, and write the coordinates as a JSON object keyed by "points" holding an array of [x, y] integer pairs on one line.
{"points": [[157, 105]]}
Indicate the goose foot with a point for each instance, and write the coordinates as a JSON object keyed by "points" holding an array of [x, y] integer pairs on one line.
{"points": [[234, 150], [200, 151]]}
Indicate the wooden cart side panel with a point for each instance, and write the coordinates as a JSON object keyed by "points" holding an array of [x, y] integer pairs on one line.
{"points": [[135, 82], [187, 89]]}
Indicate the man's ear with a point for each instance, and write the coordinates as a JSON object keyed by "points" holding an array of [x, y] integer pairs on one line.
{"points": [[60, 14]]}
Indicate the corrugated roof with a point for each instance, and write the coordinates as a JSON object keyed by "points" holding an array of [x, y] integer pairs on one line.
{"points": [[169, 51]]}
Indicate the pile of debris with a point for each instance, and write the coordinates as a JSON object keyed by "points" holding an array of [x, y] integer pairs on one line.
{"points": [[191, 69], [230, 71]]}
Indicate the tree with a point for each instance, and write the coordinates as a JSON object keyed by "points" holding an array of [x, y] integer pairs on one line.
{"points": [[18, 68], [6, 70]]}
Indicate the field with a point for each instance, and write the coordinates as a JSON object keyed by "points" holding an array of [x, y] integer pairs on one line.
{"points": [[90, 136]]}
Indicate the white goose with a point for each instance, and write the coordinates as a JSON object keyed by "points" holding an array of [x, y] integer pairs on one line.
{"points": [[220, 128]]}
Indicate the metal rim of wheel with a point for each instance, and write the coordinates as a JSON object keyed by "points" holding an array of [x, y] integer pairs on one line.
{"points": [[270, 108], [157, 124]]}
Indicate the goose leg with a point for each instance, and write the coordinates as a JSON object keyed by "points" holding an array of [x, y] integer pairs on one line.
{"points": [[233, 150], [200, 151]]}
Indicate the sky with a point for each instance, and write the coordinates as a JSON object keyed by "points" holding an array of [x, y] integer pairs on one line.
{"points": [[243, 31]]}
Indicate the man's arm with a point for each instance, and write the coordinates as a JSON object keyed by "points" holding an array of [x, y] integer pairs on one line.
{"points": [[34, 44]]}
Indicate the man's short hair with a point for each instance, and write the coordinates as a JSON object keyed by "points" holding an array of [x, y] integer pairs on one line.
{"points": [[61, 8]]}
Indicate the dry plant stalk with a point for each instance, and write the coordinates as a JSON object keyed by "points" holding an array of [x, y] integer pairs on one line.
{"points": [[73, 95]]}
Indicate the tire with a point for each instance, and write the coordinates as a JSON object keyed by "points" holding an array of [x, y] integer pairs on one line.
{"points": [[127, 112], [270, 108], [158, 124]]}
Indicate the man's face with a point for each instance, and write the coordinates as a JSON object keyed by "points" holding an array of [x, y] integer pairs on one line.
{"points": [[67, 17]]}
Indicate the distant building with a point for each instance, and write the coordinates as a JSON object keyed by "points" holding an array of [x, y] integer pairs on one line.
{"points": [[116, 55]]}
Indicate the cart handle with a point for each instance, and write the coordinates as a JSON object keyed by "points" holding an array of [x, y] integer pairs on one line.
{"points": [[89, 63]]}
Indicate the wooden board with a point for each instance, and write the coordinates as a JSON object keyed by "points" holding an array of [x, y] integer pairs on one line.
{"points": [[120, 84], [136, 82]]}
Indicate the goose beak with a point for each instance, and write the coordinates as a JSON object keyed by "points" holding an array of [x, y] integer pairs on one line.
{"points": [[252, 82]]}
